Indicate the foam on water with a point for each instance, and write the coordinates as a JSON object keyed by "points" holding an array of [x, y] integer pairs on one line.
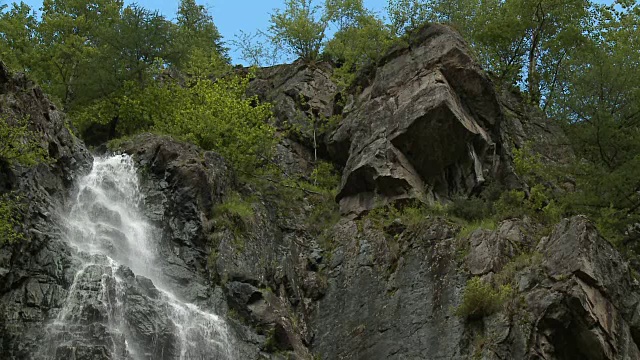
{"points": [[109, 229]]}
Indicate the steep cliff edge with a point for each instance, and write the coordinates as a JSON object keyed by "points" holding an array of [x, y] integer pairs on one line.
{"points": [[426, 125]]}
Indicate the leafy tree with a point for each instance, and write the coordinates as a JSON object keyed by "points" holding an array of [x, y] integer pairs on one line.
{"points": [[360, 40], [344, 13], [254, 51], [599, 99], [141, 37], [81, 51], [300, 28], [406, 15], [521, 41], [196, 30], [17, 36], [69, 33]]}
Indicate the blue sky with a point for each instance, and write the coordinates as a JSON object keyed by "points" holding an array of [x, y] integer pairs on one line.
{"points": [[231, 16]]}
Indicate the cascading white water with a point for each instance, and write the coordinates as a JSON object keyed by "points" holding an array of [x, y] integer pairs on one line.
{"points": [[106, 218], [108, 307]]}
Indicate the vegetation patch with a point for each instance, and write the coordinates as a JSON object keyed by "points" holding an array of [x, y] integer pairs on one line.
{"points": [[507, 275], [481, 299], [468, 228], [235, 214], [11, 229], [18, 144], [411, 214]]}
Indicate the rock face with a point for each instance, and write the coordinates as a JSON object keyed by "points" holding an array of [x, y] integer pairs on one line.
{"points": [[577, 298], [389, 296], [181, 185], [593, 309], [427, 125], [305, 99], [35, 275]]}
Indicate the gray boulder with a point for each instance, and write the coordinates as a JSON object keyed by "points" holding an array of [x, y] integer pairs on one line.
{"points": [[425, 126]]}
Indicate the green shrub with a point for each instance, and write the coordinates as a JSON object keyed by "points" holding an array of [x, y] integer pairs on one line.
{"points": [[235, 214], [510, 205], [324, 214], [10, 224], [481, 299], [542, 202], [411, 214], [324, 176], [18, 144], [507, 275], [538, 205], [529, 164], [468, 228], [611, 224], [235, 206], [471, 209]]}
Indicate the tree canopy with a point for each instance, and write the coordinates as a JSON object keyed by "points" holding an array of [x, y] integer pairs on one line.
{"points": [[129, 69], [81, 51]]}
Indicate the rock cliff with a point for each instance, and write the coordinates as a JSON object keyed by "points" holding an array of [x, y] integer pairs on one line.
{"points": [[426, 124], [35, 275]]}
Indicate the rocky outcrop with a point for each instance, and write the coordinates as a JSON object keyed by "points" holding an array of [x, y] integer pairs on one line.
{"points": [[576, 298], [305, 100], [592, 308], [426, 126], [21, 98]]}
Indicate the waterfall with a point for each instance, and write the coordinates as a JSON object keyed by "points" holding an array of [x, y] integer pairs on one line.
{"points": [[118, 306]]}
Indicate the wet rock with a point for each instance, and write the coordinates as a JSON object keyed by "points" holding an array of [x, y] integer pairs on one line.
{"points": [[241, 295], [100, 212], [35, 275], [181, 184]]}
